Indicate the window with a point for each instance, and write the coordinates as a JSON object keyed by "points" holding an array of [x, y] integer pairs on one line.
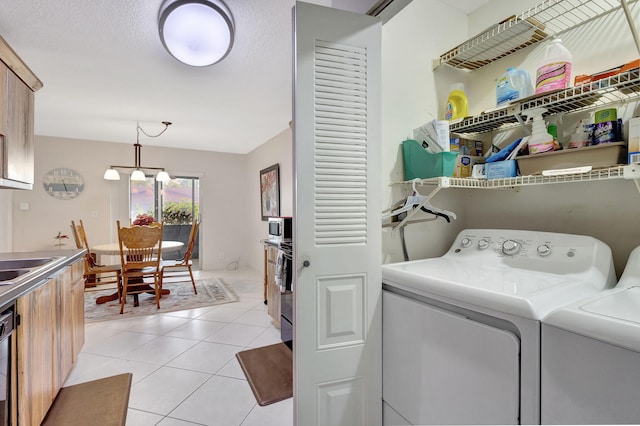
{"points": [[175, 203]]}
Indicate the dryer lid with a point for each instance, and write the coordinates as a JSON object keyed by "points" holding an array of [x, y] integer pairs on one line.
{"points": [[612, 317], [623, 305]]}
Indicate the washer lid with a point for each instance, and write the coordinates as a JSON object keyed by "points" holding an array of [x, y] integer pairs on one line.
{"points": [[529, 294], [612, 317]]}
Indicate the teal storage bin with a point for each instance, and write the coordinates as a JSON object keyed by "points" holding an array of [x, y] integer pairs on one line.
{"points": [[418, 163]]}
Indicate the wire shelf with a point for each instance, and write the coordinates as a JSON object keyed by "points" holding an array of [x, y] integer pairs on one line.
{"points": [[605, 173], [618, 88], [517, 32]]}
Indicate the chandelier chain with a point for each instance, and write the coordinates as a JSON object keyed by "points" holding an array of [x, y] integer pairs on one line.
{"points": [[140, 129]]}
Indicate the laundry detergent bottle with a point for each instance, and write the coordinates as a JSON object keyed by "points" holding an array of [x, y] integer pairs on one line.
{"points": [[457, 103], [513, 84], [540, 140], [554, 71]]}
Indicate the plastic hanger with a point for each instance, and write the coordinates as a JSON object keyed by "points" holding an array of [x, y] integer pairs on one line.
{"points": [[416, 200], [446, 214], [411, 201]]}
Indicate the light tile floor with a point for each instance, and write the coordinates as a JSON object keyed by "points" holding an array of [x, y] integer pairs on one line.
{"points": [[184, 367]]}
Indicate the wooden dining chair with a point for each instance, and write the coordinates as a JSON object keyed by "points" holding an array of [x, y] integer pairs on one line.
{"points": [[140, 255], [185, 262], [94, 272], [76, 237]]}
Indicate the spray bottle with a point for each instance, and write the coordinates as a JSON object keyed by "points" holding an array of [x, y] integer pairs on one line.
{"points": [[540, 141]]}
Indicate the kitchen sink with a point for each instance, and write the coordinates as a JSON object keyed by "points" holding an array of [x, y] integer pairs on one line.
{"points": [[14, 270], [12, 274], [26, 263]]}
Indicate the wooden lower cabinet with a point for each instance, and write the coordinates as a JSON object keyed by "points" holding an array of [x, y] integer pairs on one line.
{"points": [[273, 291], [49, 337], [77, 309]]}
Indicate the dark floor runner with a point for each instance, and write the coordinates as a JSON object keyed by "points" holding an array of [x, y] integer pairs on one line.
{"points": [[101, 402], [269, 370]]}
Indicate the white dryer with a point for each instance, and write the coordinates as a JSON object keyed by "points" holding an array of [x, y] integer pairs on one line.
{"points": [[591, 356], [461, 333]]}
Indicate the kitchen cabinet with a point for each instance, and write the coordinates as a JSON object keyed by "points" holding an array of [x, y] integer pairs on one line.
{"points": [[273, 291], [3, 108], [77, 310], [49, 336], [18, 138], [17, 87]]}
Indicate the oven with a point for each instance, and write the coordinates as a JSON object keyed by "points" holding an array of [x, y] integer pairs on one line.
{"points": [[284, 278], [6, 330]]}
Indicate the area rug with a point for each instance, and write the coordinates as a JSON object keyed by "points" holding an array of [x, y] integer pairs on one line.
{"points": [[211, 291], [269, 371]]}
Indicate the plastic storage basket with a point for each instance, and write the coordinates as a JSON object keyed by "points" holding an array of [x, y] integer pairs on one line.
{"points": [[418, 163]]}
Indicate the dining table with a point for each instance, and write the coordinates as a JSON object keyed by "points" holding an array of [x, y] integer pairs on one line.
{"points": [[113, 249]]}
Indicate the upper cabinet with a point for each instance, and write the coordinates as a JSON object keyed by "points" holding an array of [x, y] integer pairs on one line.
{"points": [[17, 87]]}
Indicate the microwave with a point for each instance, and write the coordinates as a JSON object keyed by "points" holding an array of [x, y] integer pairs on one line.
{"points": [[280, 228]]}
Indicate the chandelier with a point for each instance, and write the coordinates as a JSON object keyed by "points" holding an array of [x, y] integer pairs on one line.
{"points": [[138, 173]]}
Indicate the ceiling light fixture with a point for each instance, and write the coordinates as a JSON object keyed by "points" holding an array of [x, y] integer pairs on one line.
{"points": [[138, 172], [196, 32]]}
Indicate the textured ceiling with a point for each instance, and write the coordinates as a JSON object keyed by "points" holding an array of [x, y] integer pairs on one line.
{"points": [[104, 69]]}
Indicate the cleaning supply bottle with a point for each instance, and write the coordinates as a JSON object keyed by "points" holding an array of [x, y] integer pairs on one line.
{"points": [[555, 70], [580, 137], [457, 103], [513, 84], [552, 129], [540, 140]]}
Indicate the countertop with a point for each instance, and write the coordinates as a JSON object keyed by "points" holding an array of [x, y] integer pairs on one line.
{"points": [[37, 276]]}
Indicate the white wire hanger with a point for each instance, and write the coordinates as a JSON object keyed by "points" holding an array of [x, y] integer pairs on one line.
{"points": [[417, 202]]}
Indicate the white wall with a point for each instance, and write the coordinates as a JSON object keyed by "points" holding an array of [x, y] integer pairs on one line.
{"points": [[5, 220], [413, 94], [223, 196], [276, 150], [414, 37]]}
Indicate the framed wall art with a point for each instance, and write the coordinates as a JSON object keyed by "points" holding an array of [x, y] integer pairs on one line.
{"points": [[270, 191]]}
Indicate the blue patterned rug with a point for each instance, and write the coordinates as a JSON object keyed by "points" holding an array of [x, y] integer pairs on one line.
{"points": [[211, 291]]}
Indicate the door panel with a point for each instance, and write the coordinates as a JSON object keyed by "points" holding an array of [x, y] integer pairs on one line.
{"points": [[443, 368], [337, 310]]}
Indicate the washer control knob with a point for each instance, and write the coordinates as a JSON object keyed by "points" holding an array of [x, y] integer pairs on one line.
{"points": [[544, 250], [511, 247], [483, 244], [466, 242]]}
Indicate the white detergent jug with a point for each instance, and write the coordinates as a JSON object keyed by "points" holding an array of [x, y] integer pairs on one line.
{"points": [[555, 70], [513, 84]]}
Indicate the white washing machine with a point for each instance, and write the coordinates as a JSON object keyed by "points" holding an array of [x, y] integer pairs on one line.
{"points": [[461, 333], [591, 356]]}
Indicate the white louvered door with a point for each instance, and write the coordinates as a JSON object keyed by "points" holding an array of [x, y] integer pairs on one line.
{"points": [[337, 311]]}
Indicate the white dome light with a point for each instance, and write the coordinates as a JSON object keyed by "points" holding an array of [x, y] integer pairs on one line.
{"points": [[111, 174], [138, 175], [196, 32]]}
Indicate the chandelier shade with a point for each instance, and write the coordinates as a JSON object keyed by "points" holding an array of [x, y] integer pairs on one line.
{"points": [[196, 32], [138, 175], [111, 174], [163, 176]]}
